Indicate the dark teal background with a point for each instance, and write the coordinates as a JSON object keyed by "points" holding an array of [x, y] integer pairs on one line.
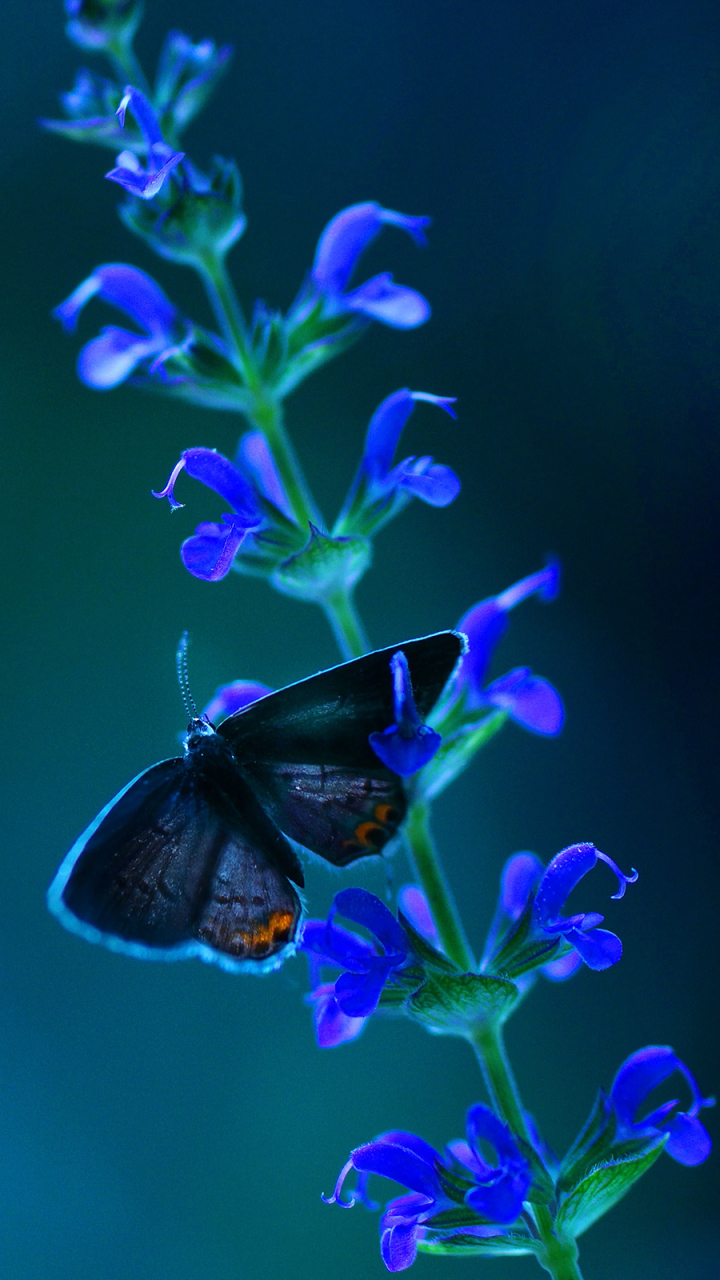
{"points": [[174, 1122]]}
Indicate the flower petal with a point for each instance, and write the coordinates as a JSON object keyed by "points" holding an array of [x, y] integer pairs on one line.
{"points": [[230, 698], [563, 873], [332, 1026], [398, 1245], [562, 968], [213, 470], [641, 1073], [210, 553], [689, 1142], [255, 459], [348, 234], [358, 994], [520, 877], [393, 304], [110, 358], [129, 289], [484, 625], [393, 1160], [430, 481], [414, 905], [530, 700], [367, 910], [599, 949], [405, 753]]}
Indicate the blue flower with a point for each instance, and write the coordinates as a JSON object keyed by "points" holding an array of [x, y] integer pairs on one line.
{"points": [[161, 158], [187, 75], [102, 24], [232, 697], [110, 358], [339, 248], [341, 1008], [520, 878], [416, 909], [210, 553], [408, 744], [529, 699], [91, 105], [494, 1191], [689, 1141], [380, 490], [536, 934]]}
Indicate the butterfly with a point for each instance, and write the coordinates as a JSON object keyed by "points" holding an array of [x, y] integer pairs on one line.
{"points": [[196, 856]]}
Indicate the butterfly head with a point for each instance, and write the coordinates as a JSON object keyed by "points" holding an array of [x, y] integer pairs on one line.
{"points": [[198, 732]]}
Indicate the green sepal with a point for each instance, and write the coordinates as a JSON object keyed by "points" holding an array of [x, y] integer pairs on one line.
{"points": [[457, 751], [602, 1188], [403, 984], [199, 371], [457, 1004], [520, 951], [592, 1143], [542, 1190], [511, 1241], [313, 338], [427, 953], [269, 343], [456, 1188], [186, 224], [324, 567]]}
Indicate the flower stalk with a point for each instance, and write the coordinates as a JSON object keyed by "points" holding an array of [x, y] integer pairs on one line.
{"points": [[425, 861]]}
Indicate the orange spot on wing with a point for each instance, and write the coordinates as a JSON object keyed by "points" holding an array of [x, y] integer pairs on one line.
{"points": [[386, 814]]}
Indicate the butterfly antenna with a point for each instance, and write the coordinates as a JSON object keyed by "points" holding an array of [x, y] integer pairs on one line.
{"points": [[182, 672]]}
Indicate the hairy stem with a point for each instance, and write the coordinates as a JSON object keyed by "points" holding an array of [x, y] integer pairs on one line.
{"points": [[346, 625], [425, 861], [559, 1257]]}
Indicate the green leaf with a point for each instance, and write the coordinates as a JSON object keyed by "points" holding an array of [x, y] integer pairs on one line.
{"points": [[599, 1190], [542, 1190], [456, 1004], [427, 953], [457, 751], [506, 1242]]}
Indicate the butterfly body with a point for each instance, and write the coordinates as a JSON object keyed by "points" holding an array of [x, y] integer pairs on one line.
{"points": [[196, 856]]}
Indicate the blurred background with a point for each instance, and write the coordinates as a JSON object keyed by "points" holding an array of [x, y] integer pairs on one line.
{"points": [[172, 1121]]}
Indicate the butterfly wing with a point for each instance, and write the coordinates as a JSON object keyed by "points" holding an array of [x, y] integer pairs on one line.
{"points": [[170, 869], [340, 813], [306, 752], [328, 718]]}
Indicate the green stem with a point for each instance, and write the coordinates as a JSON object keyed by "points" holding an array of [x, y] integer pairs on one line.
{"points": [[347, 627], [228, 313], [559, 1257], [265, 411], [125, 62], [427, 867]]}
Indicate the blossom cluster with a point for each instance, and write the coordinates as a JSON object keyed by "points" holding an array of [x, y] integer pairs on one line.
{"points": [[500, 1189]]}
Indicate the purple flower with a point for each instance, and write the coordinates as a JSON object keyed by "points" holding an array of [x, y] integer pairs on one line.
{"points": [[102, 24], [689, 1141], [161, 159], [494, 1191], [529, 699], [209, 554], [380, 489], [255, 461], [534, 934], [230, 698], [339, 248], [110, 358], [342, 1008], [408, 744]]}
